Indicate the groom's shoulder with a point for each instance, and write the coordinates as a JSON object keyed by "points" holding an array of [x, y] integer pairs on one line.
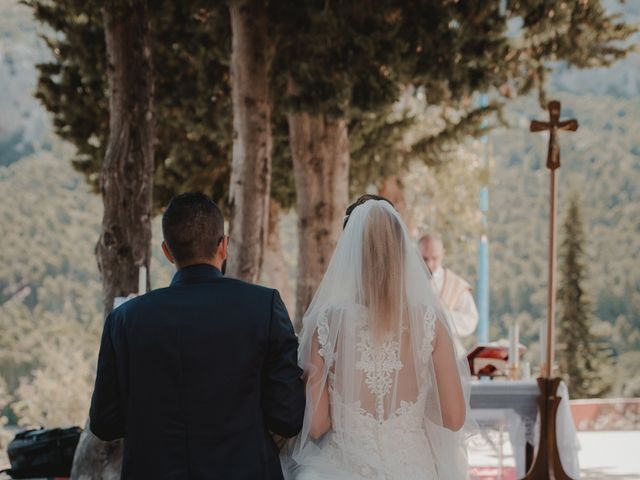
{"points": [[247, 288], [139, 303]]}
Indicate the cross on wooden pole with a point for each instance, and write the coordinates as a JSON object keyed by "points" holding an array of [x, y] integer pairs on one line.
{"points": [[554, 125], [547, 464]]}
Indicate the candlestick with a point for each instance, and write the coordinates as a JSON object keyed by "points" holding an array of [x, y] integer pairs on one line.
{"points": [[142, 280], [514, 345], [543, 348]]}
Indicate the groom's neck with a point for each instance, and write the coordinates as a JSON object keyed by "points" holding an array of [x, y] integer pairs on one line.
{"points": [[213, 262]]}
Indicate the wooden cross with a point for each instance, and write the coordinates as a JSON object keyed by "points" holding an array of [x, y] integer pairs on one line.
{"points": [[554, 125], [547, 464]]}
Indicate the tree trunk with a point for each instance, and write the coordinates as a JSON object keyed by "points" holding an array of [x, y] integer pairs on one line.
{"points": [[391, 189], [320, 151], [274, 270], [126, 186], [250, 185]]}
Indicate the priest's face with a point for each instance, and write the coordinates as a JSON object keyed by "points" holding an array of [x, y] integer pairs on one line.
{"points": [[432, 253]]}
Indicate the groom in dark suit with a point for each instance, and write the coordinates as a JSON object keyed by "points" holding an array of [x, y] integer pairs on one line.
{"points": [[197, 376]]}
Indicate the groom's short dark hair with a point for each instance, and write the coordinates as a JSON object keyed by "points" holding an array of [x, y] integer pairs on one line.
{"points": [[192, 226]]}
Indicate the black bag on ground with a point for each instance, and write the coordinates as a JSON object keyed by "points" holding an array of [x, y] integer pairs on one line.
{"points": [[43, 453]]}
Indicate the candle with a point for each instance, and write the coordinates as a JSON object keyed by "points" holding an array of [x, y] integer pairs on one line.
{"points": [[543, 345], [142, 280], [514, 345]]}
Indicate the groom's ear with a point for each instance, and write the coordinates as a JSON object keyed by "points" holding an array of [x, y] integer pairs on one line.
{"points": [[222, 248], [167, 253]]}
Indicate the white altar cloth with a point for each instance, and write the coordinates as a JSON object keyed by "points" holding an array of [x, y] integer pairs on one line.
{"points": [[515, 403]]}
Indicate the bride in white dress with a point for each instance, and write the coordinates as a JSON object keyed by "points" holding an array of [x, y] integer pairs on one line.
{"points": [[387, 395]]}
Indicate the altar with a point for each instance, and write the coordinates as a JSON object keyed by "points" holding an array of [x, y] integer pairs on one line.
{"points": [[514, 404]]}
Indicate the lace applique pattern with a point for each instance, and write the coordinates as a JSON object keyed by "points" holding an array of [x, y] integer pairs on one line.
{"points": [[323, 336], [372, 444], [429, 322], [379, 364]]}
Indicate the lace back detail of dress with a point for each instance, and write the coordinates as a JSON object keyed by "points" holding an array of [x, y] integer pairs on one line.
{"points": [[381, 433], [429, 323], [380, 361], [323, 338]]}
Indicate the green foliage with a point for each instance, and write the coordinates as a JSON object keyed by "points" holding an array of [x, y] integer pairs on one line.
{"points": [[583, 355], [626, 375], [343, 58], [191, 48], [582, 33], [49, 285], [377, 148], [334, 57], [50, 291], [282, 183], [442, 199], [602, 161], [73, 86], [348, 59]]}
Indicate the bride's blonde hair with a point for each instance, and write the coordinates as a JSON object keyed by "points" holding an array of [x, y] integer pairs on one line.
{"points": [[382, 267]]}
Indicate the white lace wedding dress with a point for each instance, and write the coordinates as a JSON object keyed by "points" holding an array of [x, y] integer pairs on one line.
{"points": [[378, 444], [386, 395]]}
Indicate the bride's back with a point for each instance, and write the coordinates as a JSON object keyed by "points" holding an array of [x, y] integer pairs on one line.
{"points": [[379, 359], [367, 348], [385, 365]]}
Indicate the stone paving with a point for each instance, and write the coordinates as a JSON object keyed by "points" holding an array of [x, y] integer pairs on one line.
{"points": [[603, 455]]}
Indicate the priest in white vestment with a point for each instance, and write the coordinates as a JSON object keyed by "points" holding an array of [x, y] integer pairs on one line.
{"points": [[455, 292]]}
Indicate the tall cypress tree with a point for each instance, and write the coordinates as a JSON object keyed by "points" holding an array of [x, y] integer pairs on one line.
{"points": [[582, 355], [250, 188], [191, 44], [126, 181]]}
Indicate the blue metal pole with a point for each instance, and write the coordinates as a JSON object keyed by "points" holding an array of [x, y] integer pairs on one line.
{"points": [[482, 290]]}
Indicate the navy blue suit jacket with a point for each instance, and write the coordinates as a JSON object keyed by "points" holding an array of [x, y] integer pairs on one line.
{"points": [[195, 376]]}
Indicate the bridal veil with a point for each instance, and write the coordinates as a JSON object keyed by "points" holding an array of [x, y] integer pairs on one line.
{"points": [[367, 346]]}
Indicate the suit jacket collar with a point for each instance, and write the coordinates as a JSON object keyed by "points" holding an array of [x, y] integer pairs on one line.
{"points": [[196, 274]]}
